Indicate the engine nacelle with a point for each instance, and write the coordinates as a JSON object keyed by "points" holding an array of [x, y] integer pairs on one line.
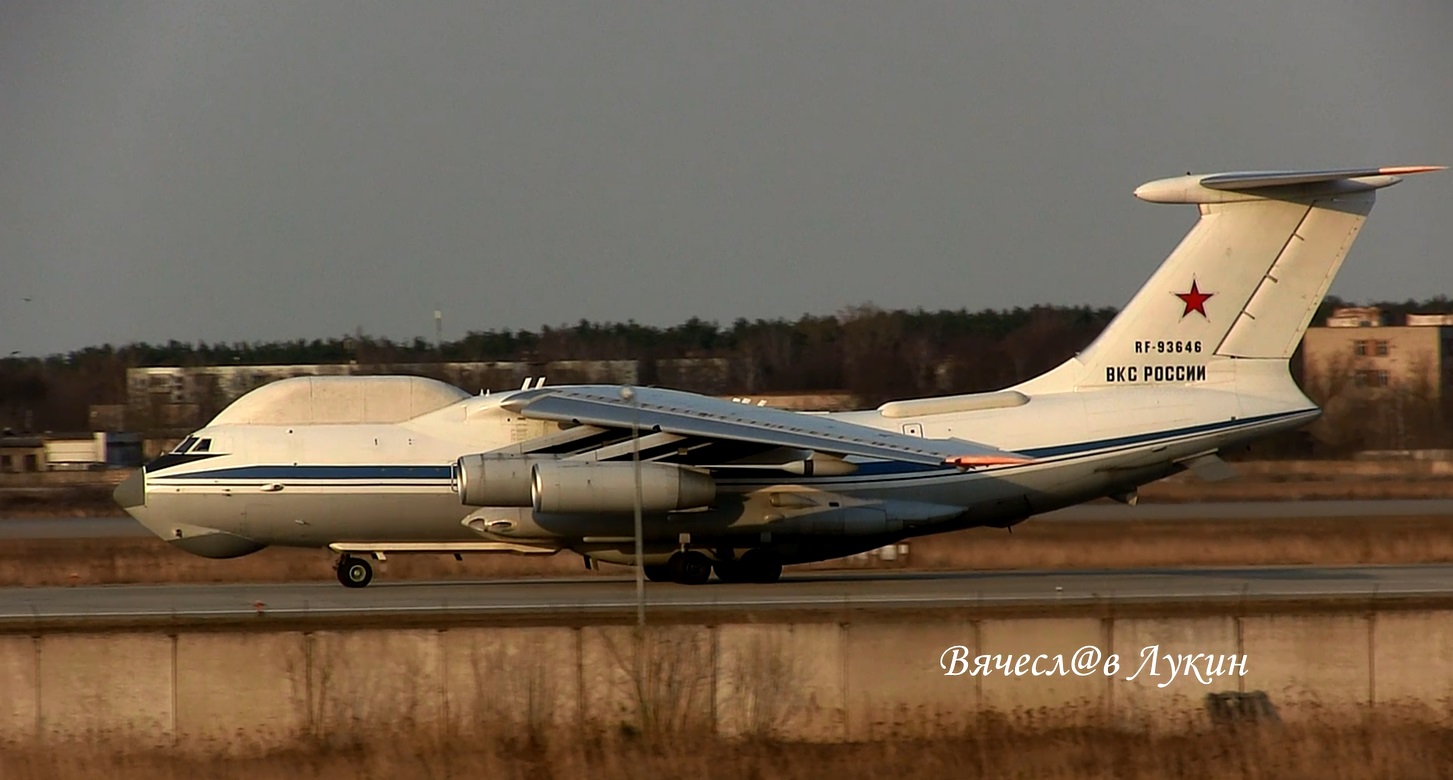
{"points": [[496, 480], [586, 487]]}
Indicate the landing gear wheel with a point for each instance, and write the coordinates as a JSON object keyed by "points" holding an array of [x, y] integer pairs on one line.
{"points": [[354, 572], [760, 566], [690, 568], [658, 572]]}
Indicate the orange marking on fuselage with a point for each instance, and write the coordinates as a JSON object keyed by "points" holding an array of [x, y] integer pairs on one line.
{"points": [[970, 461]]}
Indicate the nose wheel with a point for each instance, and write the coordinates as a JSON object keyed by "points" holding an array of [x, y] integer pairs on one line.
{"points": [[354, 572]]}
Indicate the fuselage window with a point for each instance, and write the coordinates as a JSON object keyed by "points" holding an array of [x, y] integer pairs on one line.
{"points": [[203, 446]]}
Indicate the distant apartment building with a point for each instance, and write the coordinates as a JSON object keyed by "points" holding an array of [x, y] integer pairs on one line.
{"points": [[21, 453], [1357, 350], [1381, 385]]}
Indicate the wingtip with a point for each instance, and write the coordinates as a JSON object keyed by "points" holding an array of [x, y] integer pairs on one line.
{"points": [[1408, 170]]}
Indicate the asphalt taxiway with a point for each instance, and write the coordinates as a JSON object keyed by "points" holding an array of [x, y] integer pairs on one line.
{"points": [[806, 591]]}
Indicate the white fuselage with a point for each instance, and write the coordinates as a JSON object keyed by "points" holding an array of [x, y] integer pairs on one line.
{"points": [[381, 486]]}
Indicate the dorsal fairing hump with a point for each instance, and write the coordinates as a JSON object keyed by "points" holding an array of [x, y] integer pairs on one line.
{"points": [[315, 400]]}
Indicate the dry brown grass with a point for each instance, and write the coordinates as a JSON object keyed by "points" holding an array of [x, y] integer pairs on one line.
{"points": [[1186, 491], [1037, 544], [1329, 541], [1350, 746]]}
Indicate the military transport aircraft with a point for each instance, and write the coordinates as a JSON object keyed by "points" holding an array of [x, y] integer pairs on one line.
{"points": [[372, 466]]}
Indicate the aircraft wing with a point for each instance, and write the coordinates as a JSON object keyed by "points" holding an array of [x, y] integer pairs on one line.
{"points": [[698, 417]]}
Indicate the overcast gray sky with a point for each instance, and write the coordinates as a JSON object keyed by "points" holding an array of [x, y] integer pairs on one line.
{"points": [[230, 170]]}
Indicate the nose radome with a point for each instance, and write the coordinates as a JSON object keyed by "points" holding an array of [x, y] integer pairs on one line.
{"points": [[132, 490]]}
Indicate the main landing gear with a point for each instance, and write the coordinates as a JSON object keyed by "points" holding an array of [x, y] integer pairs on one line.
{"points": [[753, 566], [690, 567], [687, 567], [354, 572]]}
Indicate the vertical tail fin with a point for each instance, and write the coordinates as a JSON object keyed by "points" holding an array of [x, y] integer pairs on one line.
{"points": [[1243, 284]]}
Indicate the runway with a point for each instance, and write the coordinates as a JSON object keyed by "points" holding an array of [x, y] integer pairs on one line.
{"points": [[124, 527], [824, 592]]}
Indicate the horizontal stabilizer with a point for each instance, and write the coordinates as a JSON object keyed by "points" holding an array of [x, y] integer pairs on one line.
{"points": [[1250, 181], [1228, 187]]}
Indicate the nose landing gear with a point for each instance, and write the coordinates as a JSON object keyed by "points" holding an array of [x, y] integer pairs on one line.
{"points": [[354, 572]]}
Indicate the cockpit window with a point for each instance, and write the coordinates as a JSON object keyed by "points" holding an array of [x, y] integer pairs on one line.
{"points": [[185, 445], [203, 446]]}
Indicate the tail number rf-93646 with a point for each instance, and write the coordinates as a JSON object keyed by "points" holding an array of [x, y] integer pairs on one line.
{"points": [[1172, 347]]}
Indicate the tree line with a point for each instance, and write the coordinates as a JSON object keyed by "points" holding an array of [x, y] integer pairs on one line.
{"points": [[872, 353]]}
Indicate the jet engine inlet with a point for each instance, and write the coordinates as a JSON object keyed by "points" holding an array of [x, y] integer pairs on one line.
{"points": [[495, 480], [566, 488]]}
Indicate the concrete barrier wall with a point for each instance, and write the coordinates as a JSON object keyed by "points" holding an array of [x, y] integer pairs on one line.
{"points": [[246, 690]]}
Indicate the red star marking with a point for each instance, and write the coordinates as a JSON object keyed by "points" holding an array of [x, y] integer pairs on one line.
{"points": [[1195, 300]]}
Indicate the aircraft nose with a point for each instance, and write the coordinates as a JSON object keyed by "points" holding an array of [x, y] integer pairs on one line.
{"points": [[132, 490]]}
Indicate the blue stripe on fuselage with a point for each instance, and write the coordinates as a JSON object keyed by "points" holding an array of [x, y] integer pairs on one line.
{"points": [[321, 472]]}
